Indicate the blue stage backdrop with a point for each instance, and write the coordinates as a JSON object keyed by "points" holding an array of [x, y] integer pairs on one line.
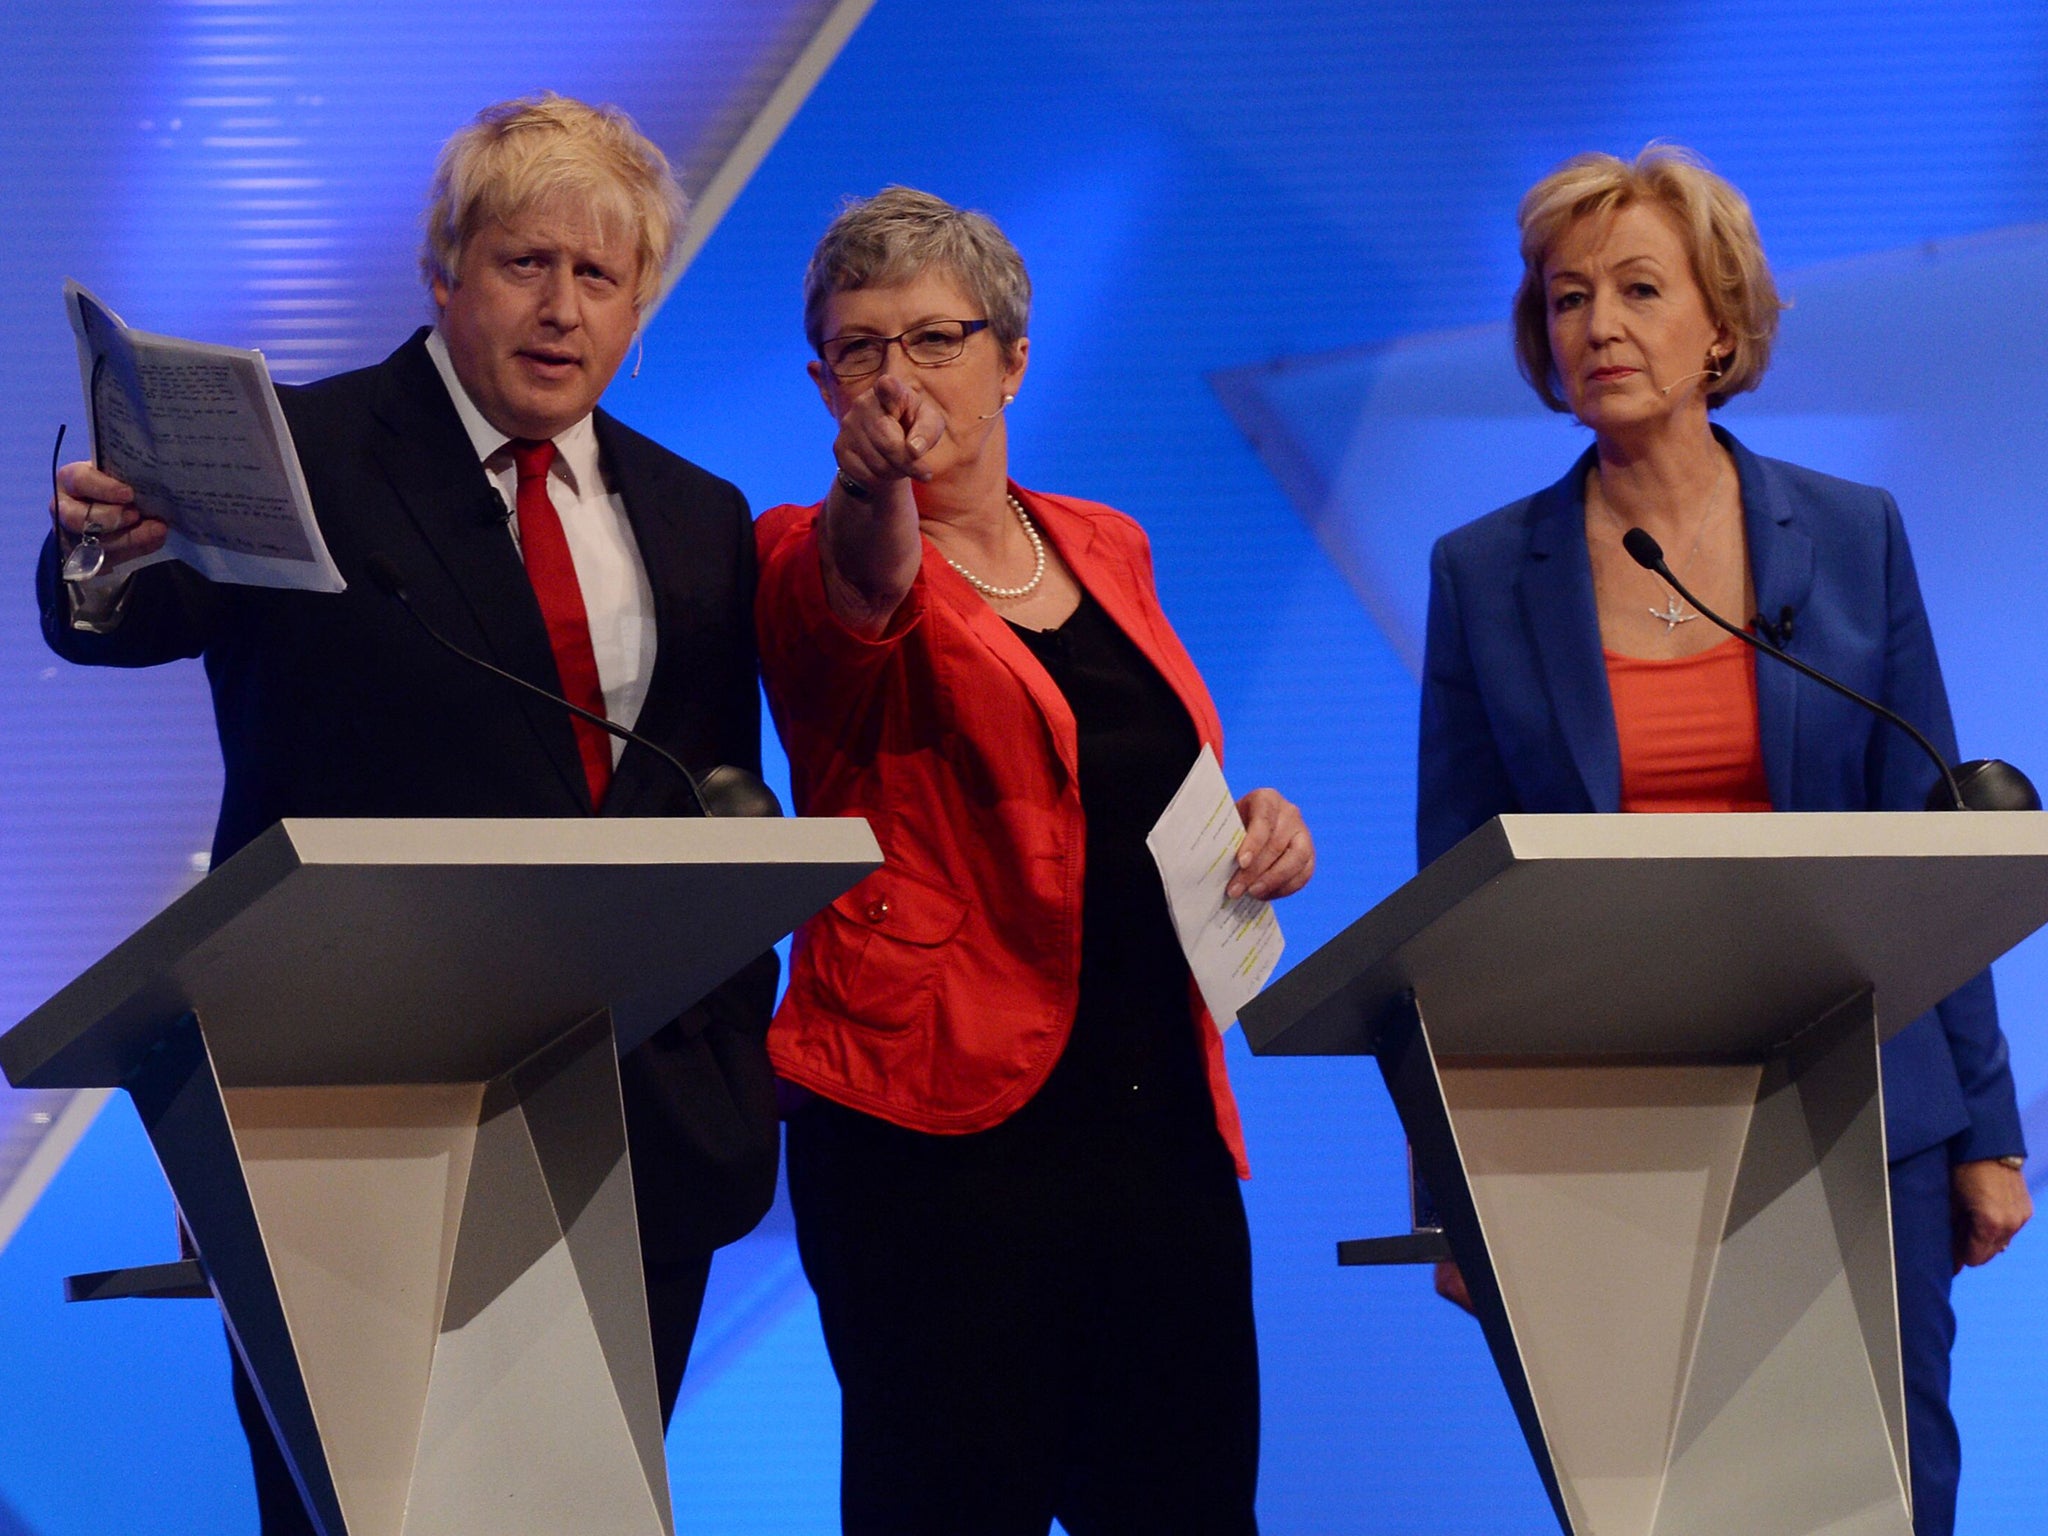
{"points": [[1304, 208]]}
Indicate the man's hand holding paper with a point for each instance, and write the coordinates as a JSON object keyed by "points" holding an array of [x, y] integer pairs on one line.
{"points": [[90, 501], [192, 459]]}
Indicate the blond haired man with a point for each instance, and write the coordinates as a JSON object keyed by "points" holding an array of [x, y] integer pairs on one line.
{"points": [[532, 528]]}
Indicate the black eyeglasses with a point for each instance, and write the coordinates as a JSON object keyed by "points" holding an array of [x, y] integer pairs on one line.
{"points": [[88, 556], [927, 345]]}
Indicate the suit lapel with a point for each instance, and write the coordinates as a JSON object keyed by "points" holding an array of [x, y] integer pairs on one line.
{"points": [[945, 585], [1080, 547], [1781, 567], [1556, 590], [1133, 610], [653, 507], [432, 467]]}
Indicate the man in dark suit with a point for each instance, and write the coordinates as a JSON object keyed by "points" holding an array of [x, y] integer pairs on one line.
{"points": [[535, 530]]}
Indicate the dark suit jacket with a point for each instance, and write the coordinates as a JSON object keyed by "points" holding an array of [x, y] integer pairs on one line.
{"points": [[1516, 716], [339, 706]]}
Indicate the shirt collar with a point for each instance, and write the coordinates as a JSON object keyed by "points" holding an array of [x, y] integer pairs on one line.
{"points": [[576, 456]]}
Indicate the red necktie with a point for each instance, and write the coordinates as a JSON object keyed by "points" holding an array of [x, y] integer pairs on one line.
{"points": [[546, 551]]}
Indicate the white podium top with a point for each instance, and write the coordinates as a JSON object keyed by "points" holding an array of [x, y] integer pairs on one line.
{"points": [[1692, 935], [331, 952]]}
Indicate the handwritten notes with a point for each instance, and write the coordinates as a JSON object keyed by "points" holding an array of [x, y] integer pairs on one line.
{"points": [[1232, 946]]}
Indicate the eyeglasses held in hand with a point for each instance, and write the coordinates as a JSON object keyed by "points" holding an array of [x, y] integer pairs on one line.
{"points": [[88, 557]]}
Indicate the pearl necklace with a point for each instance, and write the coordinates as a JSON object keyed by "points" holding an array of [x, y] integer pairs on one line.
{"points": [[986, 589]]}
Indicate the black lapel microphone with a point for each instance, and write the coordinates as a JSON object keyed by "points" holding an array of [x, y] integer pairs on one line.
{"points": [[1984, 784], [1780, 633], [724, 791]]}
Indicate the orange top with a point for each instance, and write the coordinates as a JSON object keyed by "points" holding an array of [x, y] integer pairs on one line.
{"points": [[1688, 731]]}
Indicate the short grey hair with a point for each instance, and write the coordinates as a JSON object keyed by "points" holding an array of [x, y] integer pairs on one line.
{"points": [[899, 234]]}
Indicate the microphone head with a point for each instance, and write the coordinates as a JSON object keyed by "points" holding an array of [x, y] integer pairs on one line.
{"points": [[730, 791], [384, 575], [1988, 785], [1643, 549]]}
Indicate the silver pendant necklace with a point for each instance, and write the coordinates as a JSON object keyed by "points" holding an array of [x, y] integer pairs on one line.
{"points": [[1674, 613], [989, 589]]}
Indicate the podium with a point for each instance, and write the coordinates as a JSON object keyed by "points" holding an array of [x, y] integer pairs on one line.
{"points": [[1636, 1058], [378, 1061]]}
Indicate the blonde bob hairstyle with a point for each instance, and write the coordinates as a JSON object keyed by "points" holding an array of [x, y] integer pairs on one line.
{"points": [[899, 234], [1714, 222], [521, 155]]}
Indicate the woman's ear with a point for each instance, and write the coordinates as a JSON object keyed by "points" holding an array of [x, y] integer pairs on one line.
{"points": [[824, 380], [1020, 358]]}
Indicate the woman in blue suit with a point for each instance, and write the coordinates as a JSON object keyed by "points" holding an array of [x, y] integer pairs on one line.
{"points": [[1560, 676]]}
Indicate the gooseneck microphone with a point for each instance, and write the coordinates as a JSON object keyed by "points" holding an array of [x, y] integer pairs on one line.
{"points": [[734, 791], [1991, 785]]}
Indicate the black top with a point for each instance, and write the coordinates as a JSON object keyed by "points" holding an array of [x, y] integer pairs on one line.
{"points": [[1133, 1045]]}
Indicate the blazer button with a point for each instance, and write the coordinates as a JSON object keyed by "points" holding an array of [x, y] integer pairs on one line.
{"points": [[878, 909]]}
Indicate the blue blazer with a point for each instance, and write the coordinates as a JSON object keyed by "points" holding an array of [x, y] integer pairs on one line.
{"points": [[1516, 716]]}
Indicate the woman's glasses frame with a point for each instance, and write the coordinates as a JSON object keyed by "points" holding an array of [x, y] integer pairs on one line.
{"points": [[934, 352]]}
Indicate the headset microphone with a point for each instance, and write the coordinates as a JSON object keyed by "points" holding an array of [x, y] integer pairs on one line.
{"points": [[992, 415], [1713, 370], [1687, 379]]}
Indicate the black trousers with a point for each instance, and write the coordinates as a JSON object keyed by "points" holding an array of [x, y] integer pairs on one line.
{"points": [[1047, 1319], [675, 1297]]}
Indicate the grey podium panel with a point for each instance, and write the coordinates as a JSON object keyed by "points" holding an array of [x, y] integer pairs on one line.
{"points": [[1708, 935], [1690, 1292], [334, 952], [464, 1347]]}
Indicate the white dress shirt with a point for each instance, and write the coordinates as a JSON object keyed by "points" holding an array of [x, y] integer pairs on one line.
{"points": [[617, 599]]}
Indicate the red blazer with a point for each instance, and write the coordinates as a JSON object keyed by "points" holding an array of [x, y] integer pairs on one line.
{"points": [[938, 993]]}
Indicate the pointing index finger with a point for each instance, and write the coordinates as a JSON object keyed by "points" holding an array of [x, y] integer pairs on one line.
{"points": [[925, 427]]}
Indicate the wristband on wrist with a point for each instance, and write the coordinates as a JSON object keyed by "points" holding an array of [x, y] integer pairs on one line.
{"points": [[854, 488]]}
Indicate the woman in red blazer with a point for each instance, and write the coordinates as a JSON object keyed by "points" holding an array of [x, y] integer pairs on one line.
{"points": [[1014, 1166]]}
